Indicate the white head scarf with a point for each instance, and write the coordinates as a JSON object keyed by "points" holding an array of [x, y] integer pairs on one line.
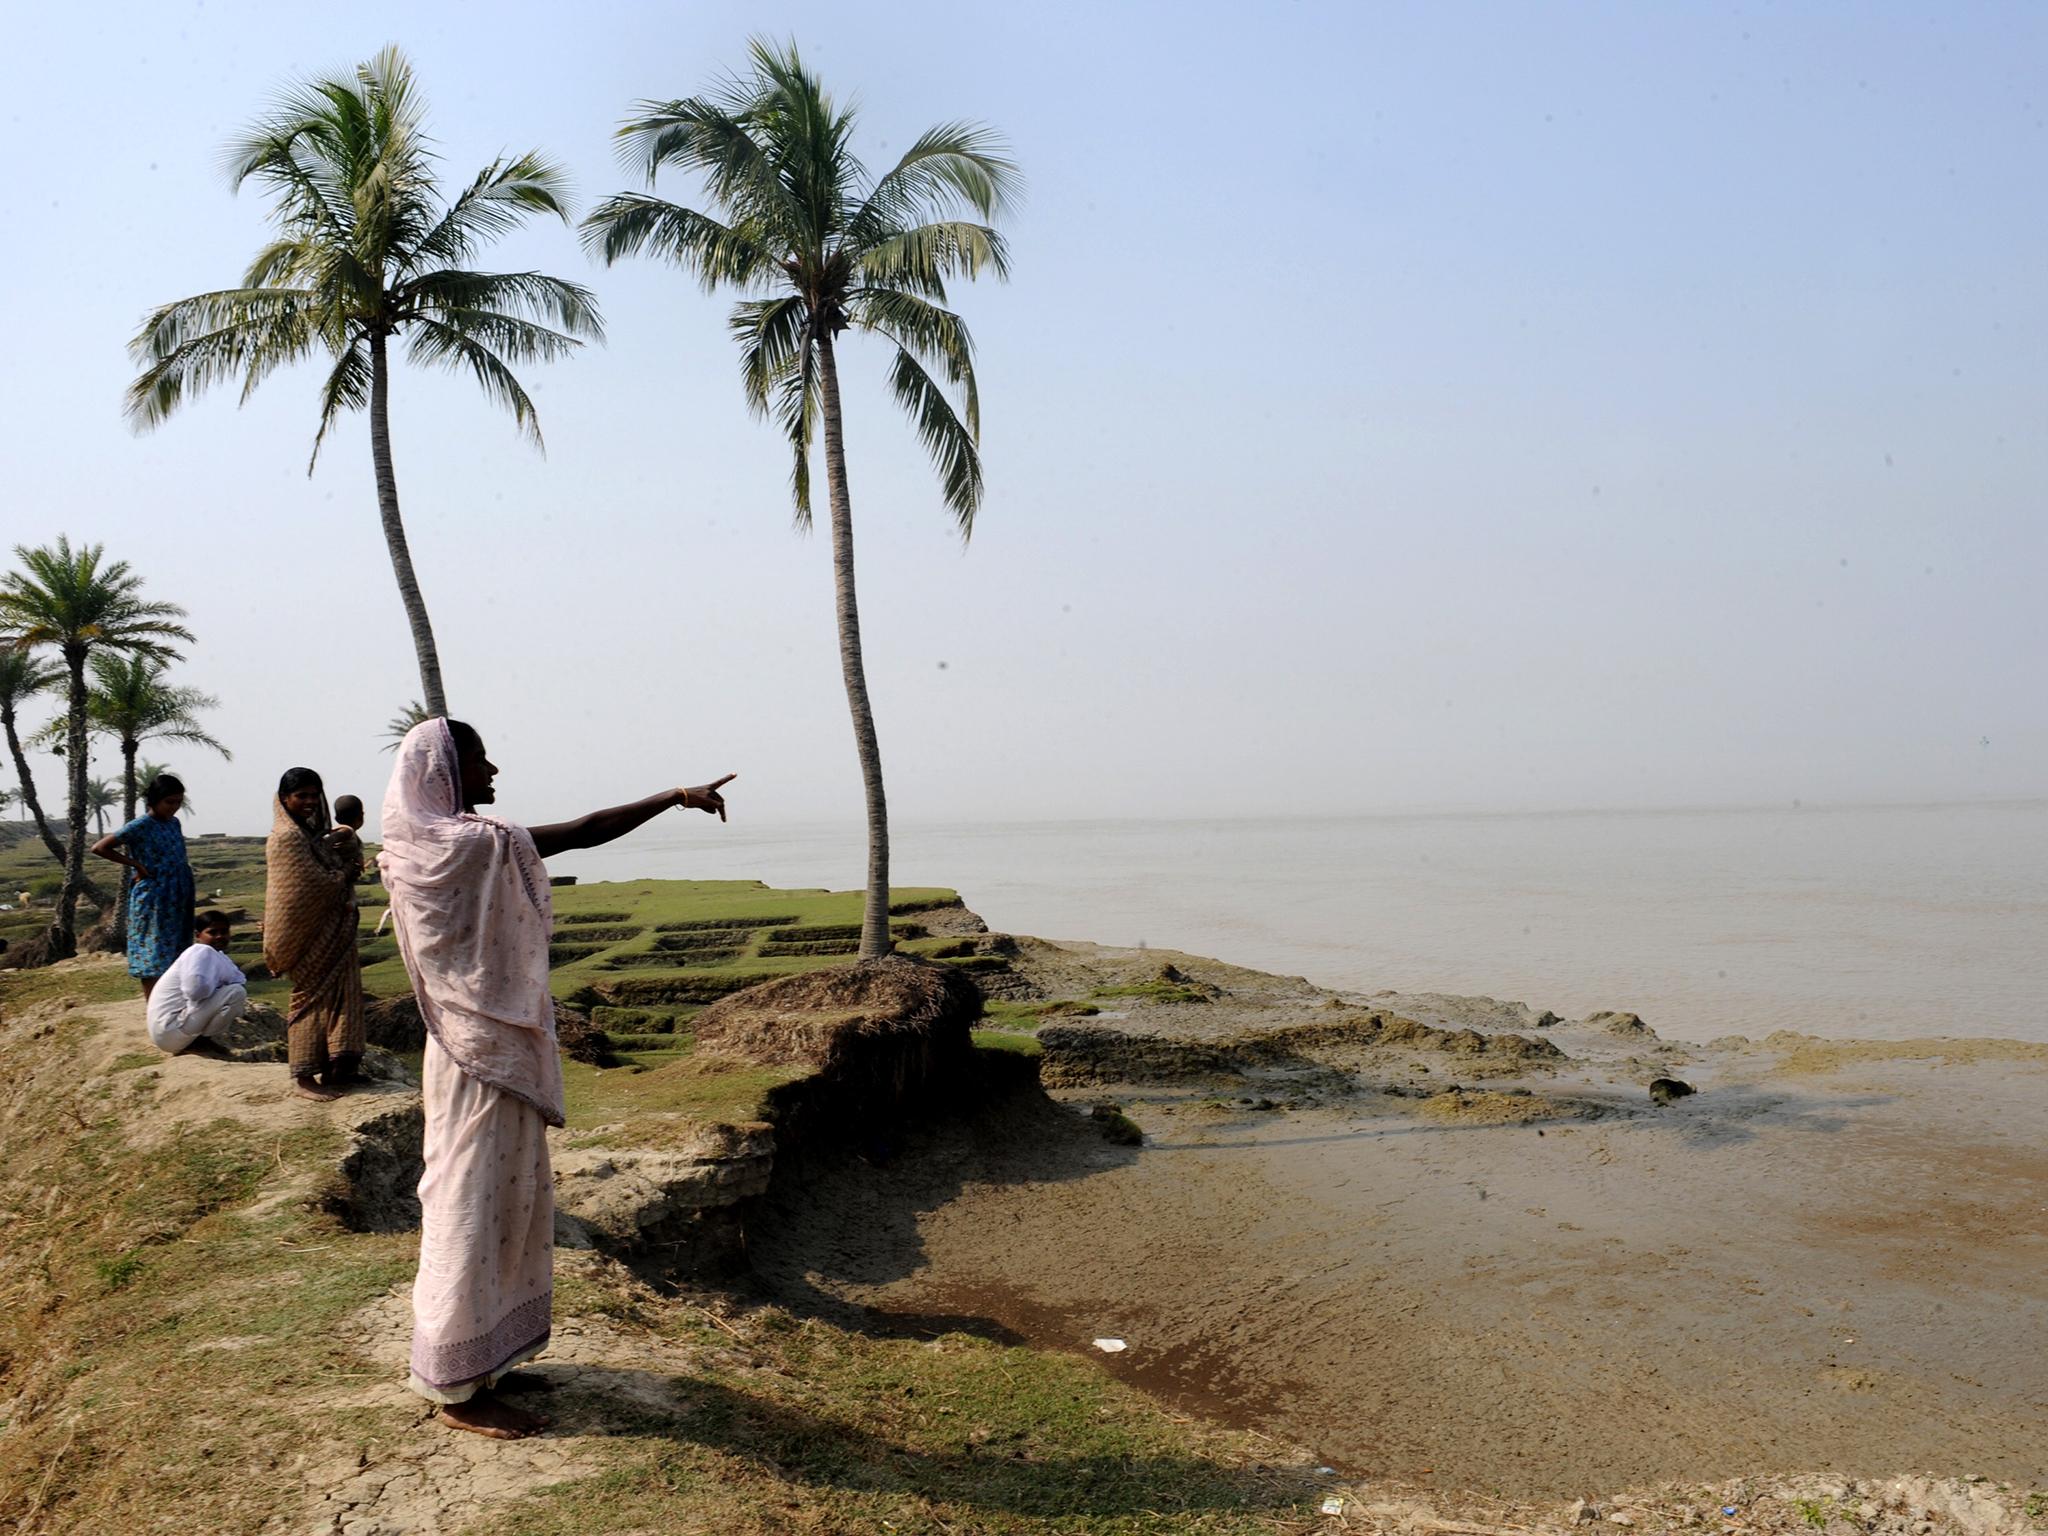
{"points": [[470, 903]]}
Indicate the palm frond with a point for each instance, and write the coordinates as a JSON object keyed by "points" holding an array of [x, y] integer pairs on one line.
{"points": [[921, 259], [717, 253], [949, 166], [131, 701], [442, 345], [346, 388], [512, 338], [74, 600], [770, 332], [196, 343], [712, 138], [931, 334], [504, 194], [519, 295], [809, 141], [23, 674], [364, 247], [400, 725], [950, 444], [790, 208], [796, 409]]}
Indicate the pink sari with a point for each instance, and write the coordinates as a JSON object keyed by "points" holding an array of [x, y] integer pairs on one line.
{"points": [[470, 904]]}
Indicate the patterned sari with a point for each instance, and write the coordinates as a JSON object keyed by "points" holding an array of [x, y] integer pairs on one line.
{"points": [[309, 934], [159, 906], [469, 899]]}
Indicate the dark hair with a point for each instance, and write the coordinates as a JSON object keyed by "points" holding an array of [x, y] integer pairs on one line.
{"points": [[466, 738], [161, 788], [346, 806], [315, 822], [212, 917]]}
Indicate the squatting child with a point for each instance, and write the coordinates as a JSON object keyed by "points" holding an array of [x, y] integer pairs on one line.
{"points": [[198, 999]]}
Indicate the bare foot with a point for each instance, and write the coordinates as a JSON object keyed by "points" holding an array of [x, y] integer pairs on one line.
{"points": [[306, 1088], [485, 1415]]}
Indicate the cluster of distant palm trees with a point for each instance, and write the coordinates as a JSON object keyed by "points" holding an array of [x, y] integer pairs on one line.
{"points": [[368, 255], [75, 622]]}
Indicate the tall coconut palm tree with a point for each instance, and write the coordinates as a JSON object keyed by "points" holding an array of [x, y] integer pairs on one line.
{"points": [[77, 603], [367, 255], [822, 248]]}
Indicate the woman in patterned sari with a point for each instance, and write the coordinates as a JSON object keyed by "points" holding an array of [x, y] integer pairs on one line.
{"points": [[160, 897], [470, 903], [309, 934]]}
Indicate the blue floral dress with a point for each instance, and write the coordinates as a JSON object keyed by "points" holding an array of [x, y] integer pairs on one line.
{"points": [[160, 907]]}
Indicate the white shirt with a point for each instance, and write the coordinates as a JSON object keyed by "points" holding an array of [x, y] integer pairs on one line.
{"points": [[194, 976]]}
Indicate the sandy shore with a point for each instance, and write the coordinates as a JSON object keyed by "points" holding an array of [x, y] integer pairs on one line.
{"points": [[1831, 1258]]}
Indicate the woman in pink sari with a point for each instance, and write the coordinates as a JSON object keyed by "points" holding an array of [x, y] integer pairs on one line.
{"points": [[469, 900]]}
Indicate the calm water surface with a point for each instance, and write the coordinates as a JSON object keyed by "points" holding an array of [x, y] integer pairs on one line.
{"points": [[1888, 921]]}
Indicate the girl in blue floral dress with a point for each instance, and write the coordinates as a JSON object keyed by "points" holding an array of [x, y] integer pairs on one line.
{"points": [[160, 898]]}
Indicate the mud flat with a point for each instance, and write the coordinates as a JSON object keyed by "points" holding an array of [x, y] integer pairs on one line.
{"points": [[1452, 1243]]}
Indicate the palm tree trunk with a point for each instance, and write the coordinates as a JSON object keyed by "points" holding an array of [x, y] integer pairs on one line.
{"points": [[874, 922], [394, 530], [28, 791], [64, 931]]}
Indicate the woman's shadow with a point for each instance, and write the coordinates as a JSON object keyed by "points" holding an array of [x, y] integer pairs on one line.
{"points": [[986, 1456]]}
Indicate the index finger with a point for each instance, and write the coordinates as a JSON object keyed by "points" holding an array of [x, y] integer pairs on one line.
{"points": [[715, 783]]}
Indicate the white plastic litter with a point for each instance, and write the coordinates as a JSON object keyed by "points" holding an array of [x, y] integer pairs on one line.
{"points": [[1333, 1505], [1111, 1346]]}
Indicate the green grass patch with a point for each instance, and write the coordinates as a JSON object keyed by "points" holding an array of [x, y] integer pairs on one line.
{"points": [[930, 903], [1153, 992], [727, 939], [666, 960], [1006, 1040], [1029, 1013], [116, 1273], [706, 934], [105, 983], [670, 1085], [704, 924], [1065, 1007], [848, 1433], [653, 991], [129, 1061]]}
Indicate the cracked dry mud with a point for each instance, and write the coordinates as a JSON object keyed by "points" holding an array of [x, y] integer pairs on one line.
{"points": [[424, 1479]]}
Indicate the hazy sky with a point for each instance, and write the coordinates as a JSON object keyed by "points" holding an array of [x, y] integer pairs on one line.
{"points": [[1394, 406]]}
